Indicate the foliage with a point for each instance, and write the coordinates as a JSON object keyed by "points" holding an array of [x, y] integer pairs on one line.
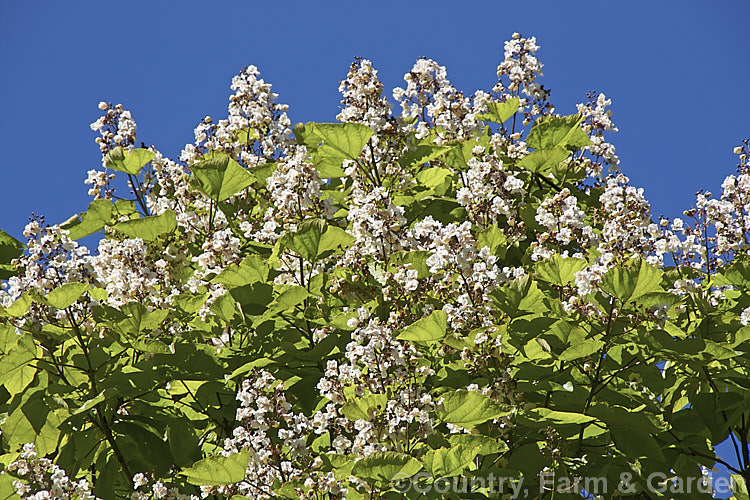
{"points": [[457, 290]]}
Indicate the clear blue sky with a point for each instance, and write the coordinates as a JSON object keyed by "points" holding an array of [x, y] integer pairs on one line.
{"points": [[677, 72]]}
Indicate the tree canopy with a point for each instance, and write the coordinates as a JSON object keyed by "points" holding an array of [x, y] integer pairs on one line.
{"points": [[463, 297]]}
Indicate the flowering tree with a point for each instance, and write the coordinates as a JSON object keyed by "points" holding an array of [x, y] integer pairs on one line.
{"points": [[464, 288]]}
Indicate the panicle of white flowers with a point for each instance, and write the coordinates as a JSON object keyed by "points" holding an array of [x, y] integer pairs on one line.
{"points": [[565, 223], [432, 101], [728, 216], [254, 106], [295, 189], [257, 129], [376, 222], [116, 128], [172, 181], [40, 478], [265, 417], [375, 361], [625, 220], [596, 121], [146, 487], [465, 275], [220, 250], [491, 192], [517, 75], [127, 270], [363, 100], [100, 187], [51, 259]]}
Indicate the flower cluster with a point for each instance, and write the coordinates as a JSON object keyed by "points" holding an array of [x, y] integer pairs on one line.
{"points": [[597, 120], [273, 435], [41, 479], [116, 128], [363, 98], [256, 131], [565, 223], [435, 104], [490, 192], [521, 69]]}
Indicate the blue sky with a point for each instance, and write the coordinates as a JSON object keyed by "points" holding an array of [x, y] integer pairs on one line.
{"points": [[676, 71]]}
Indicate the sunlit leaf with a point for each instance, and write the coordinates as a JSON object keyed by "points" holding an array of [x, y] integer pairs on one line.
{"points": [[148, 228], [218, 469]]}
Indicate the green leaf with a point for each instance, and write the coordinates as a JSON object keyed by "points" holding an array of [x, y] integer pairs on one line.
{"points": [[64, 296], [218, 469], [433, 177], [629, 283], [33, 421], [89, 222], [225, 307], [115, 159], [287, 299], [543, 160], [221, 178], [314, 237], [148, 228], [449, 462], [307, 239], [290, 297], [459, 156], [437, 181], [637, 444], [520, 297], [10, 248], [581, 349], [90, 403], [19, 307], [498, 112], [417, 259], [559, 271], [422, 154], [469, 408], [433, 327], [551, 131], [484, 445], [246, 135], [263, 172], [138, 319], [17, 366], [739, 487], [251, 270], [624, 418], [334, 238], [137, 159], [383, 467], [144, 443], [98, 294], [342, 140], [493, 238], [364, 408], [545, 416], [332, 143], [130, 162]]}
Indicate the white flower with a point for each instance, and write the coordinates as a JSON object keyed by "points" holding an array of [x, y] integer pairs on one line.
{"points": [[745, 317]]}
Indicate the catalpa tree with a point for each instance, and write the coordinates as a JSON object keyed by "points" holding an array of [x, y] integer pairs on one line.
{"points": [[461, 297]]}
